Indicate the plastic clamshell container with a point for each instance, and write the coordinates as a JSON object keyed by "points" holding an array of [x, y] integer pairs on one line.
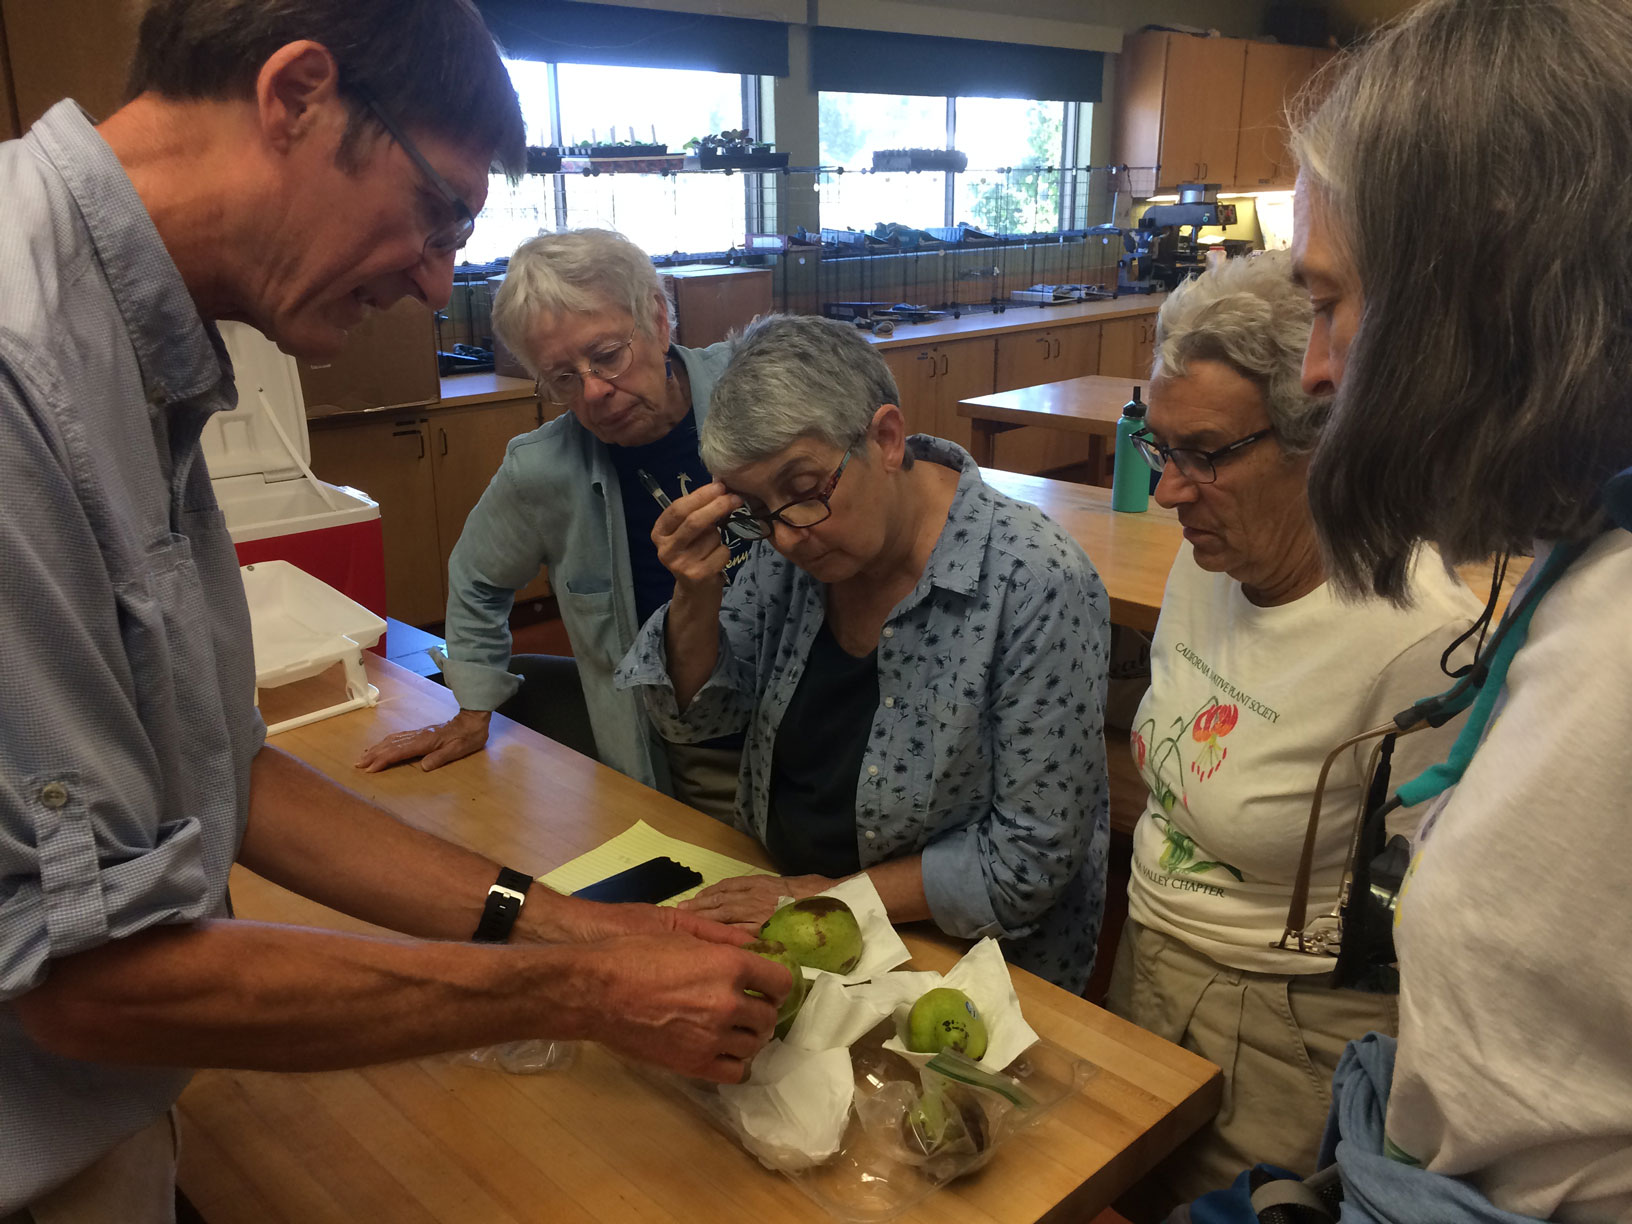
{"points": [[309, 641], [876, 1175]]}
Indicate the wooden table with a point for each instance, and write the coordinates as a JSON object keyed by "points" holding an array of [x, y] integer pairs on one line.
{"points": [[1090, 405], [427, 1140], [1133, 552]]}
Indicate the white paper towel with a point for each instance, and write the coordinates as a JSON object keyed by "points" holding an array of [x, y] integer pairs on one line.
{"points": [[795, 1105], [983, 975]]}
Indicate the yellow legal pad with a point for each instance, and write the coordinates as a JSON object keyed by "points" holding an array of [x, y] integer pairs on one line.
{"points": [[634, 846]]}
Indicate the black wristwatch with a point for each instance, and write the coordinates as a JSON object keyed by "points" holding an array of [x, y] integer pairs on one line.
{"points": [[504, 901]]}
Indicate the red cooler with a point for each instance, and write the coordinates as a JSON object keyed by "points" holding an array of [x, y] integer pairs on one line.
{"points": [[276, 510]]}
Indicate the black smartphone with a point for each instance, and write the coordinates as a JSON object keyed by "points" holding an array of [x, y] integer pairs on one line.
{"points": [[654, 880]]}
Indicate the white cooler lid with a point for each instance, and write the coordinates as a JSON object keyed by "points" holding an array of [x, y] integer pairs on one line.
{"points": [[244, 442]]}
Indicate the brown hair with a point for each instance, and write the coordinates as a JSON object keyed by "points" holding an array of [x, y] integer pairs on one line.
{"points": [[431, 64]]}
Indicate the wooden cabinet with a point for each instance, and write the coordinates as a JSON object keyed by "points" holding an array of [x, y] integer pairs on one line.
{"points": [[1027, 359], [1179, 106], [1209, 110], [78, 49], [426, 470], [1128, 346], [932, 378], [711, 302], [1274, 76]]}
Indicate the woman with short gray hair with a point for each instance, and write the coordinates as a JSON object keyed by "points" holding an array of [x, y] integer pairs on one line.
{"points": [[918, 661], [1459, 233], [1257, 670]]}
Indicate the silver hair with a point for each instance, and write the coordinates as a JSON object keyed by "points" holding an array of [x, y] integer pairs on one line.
{"points": [[1465, 163], [1248, 315], [793, 377], [575, 272]]}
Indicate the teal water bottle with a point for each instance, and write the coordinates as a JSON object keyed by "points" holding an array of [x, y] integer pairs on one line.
{"points": [[1130, 478]]}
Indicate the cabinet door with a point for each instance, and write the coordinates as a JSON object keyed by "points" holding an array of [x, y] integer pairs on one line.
{"points": [[1144, 346], [1025, 359], [467, 448], [1140, 73], [78, 49], [390, 460], [963, 371], [1274, 74], [1226, 66], [1118, 345], [916, 372]]}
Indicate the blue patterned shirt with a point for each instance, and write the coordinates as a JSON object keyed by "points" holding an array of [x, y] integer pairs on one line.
{"points": [[127, 675], [987, 751]]}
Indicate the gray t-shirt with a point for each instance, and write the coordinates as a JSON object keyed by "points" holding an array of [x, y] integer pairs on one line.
{"points": [[126, 669]]}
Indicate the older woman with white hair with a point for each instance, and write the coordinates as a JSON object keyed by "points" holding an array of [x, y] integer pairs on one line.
{"points": [[918, 661], [1257, 670], [586, 313]]}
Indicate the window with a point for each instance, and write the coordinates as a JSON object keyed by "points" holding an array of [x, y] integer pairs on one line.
{"points": [[567, 104], [993, 132]]}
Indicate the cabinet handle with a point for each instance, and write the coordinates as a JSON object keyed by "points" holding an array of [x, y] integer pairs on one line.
{"points": [[1043, 340], [931, 357], [946, 363], [1057, 347], [444, 435], [412, 433]]}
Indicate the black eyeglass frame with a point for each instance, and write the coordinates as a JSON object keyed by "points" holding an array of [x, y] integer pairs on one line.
{"points": [[1156, 455], [464, 225]]}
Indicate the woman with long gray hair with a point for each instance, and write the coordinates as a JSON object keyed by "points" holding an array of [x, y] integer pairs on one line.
{"points": [[1257, 669], [1459, 232], [917, 660]]}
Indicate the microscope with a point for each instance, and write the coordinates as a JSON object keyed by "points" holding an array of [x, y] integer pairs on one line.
{"points": [[1165, 248]]}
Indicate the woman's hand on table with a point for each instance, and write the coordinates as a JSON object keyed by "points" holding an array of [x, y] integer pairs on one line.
{"points": [[435, 746], [745, 902], [687, 536]]}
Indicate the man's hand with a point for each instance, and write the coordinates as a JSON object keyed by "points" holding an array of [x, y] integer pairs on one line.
{"points": [[682, 1004], [461, 735], [549, 918], [745, 902]]}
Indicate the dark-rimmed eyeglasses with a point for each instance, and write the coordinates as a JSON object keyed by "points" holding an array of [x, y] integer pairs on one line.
{"points": [[1196, 465], [444, 239], [608, 363], [801, 513]]}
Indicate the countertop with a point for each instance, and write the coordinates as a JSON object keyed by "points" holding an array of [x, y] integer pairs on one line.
{"points": [[1019, 317]]}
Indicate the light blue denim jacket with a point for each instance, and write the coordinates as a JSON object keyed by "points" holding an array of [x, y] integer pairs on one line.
{"points": [[555, 501], [987, 750]]}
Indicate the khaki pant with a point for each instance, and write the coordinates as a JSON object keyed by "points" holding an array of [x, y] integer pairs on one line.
{"points": [[1277, 1038], [706, 779], [133, 1184]]}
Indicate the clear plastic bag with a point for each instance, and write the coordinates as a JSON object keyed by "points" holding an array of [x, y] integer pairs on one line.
{"points": [[522, 1057], [912, 1129]]}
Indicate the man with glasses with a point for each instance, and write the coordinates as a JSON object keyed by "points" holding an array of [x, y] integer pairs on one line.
{"points": [[280, 162]]}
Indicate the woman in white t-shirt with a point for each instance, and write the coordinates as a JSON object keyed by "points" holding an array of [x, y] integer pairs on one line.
{"points": [[1258, 670], [1460, 229]]}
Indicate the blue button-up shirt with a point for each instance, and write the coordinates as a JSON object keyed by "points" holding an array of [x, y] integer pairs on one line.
{"points": [[987, 751], [126, 669]]}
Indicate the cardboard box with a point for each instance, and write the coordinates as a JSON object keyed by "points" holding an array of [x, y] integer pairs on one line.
{"points": [[389, 361]]}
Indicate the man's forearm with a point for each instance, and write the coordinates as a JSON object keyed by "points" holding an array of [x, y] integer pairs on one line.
{"points": [[257, 996], [316, 838]]}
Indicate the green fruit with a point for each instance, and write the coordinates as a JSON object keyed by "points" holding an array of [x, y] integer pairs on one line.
{"points": [[946, 1019], [796, 994], [820, 931], [925, 1122]]}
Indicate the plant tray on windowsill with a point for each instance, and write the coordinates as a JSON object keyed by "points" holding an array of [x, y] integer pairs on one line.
{"points": [[734, 159], [920, 159], [599, 151]]}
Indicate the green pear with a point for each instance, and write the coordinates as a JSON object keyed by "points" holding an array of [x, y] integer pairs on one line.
{"points": [[924, 1126], [821, 932], [796, 994], [946, 1019]]}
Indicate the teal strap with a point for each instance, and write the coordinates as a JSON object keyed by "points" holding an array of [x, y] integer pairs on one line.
{"points": [[1437, 778]]}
